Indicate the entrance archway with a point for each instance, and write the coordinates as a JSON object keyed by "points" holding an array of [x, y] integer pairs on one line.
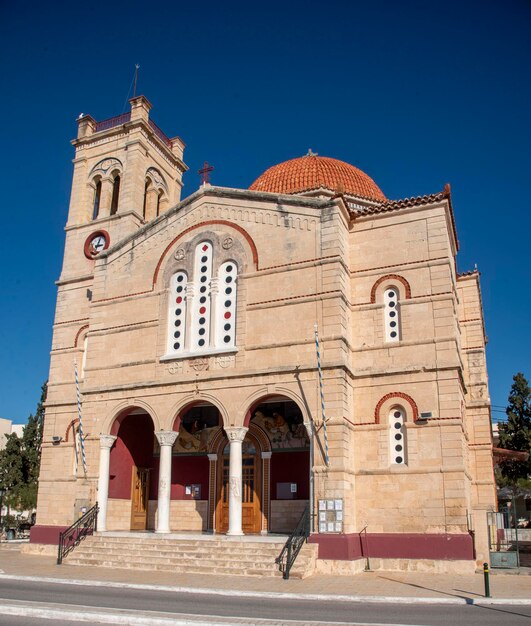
{"points": [[281, 421], [196, 424], [133, 473]]}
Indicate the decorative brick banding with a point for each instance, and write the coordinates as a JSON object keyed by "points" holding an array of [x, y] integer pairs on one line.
{"points": [[78, 334], [241, 230], [402, 396], [390, 277]]}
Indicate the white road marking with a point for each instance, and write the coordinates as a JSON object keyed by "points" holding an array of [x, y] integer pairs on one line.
{"points": [[94, 615], [243, 594]]}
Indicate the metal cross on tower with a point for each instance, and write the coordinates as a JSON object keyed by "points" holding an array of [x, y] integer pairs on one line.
{"points": [[204, 172]]}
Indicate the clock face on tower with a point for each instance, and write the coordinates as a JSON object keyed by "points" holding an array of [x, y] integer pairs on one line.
{"points": [[95, 243]]}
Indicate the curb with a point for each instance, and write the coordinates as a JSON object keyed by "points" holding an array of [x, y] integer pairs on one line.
{"points": [[279, 595]]}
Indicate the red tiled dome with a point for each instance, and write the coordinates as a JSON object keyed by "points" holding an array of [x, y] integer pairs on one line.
{"points": [[313, 172]]}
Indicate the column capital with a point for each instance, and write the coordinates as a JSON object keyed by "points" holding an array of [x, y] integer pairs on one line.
{"points": [[212, 457], [266, 455], [235, 433], [166, 437], [106, 441]]}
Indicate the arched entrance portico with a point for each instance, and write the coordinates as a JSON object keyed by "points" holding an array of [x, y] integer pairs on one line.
{"points": [[281, 421], [203, 476], [128, 477]]}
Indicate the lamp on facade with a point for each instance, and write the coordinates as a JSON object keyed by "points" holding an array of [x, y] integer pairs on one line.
{"points": [[424, 417]]}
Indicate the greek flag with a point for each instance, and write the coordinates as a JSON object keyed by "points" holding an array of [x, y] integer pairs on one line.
{"points": [[81, 435], [327, 458]]}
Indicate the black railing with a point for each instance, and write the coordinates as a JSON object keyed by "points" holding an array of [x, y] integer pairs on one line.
{"points": [[112, 122], [160, 134], [75, 534], [294, 544]]}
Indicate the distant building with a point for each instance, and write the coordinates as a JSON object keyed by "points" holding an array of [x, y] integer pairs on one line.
{"points": [[192, 325], [7, 428]]}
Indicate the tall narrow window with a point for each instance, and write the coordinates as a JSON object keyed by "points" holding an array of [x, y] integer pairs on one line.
{"points": [[201, 300], [202, 310], [397, 437], [177, 314], [159, 196], [226, 305], [97, 199], [146, 187], [115, 195], [391, 315]]}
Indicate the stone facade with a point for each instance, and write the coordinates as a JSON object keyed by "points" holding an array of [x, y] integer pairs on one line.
{"points": [[303, 259]]}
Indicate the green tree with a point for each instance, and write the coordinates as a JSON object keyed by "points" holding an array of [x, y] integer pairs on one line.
{"points": [[31, 453], [515, 434], [12, 471], [20, 461]]}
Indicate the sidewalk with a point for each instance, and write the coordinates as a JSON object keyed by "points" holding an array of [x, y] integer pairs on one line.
{"points": [[366, 586]]}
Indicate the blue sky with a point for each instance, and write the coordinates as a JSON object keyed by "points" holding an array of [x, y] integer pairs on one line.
{"points": [[416, 94]]}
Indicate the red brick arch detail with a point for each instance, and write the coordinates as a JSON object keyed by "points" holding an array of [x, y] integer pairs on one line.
{"points": [[78, 334], [241, 230], [402, 396], [390, 277], [70, 428]]}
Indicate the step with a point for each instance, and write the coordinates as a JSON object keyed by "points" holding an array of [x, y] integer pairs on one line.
{"points": [[199, 553], [239, 549], [176, 563], [224, 545], [213, 556], [232, 571]]}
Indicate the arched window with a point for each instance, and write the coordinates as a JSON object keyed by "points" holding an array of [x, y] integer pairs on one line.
{"points": [[97, 199], [159, 196], [146, 187], [115, 194], [226, 305], [397, 437], [201, 300], [391, 315], [202, 311], [177, 314]]}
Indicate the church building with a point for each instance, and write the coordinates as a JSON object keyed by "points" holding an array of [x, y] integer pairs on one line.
{"points": [[243, 354]]}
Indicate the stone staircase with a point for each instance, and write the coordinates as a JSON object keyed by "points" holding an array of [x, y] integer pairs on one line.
{"points": [[217, 555]]}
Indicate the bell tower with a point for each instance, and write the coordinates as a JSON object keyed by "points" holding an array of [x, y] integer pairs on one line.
{"points": [[127, 172]]}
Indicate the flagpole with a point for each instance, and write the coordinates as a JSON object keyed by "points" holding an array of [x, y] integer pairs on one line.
{"points": [[325, 434], [81, 435]]}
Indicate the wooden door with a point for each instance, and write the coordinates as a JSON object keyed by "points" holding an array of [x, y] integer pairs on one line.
{"points": [[139, 498], [251, 489]]}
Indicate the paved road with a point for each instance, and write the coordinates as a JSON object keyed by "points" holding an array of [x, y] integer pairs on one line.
{"points": [[186, 608]]}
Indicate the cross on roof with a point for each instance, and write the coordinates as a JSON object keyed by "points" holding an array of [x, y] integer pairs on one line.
{"points": [[204, 172]]}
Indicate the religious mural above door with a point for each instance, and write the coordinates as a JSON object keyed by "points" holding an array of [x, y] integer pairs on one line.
{"points": [[197, 428], [283, 424]]}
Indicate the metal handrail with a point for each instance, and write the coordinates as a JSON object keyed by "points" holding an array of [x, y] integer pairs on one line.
{"points": [[112, 122], [293, 545], [160, 134], [74, 535]]}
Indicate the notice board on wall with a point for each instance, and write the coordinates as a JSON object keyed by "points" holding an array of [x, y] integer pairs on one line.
{"points": [[331, 516]]}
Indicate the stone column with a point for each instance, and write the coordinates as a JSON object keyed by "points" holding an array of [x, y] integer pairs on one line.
{"points": [[152, 196], [212, 462], [105, 197], [106, 442], [236, 435], [166, 439], [266, 496]]}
